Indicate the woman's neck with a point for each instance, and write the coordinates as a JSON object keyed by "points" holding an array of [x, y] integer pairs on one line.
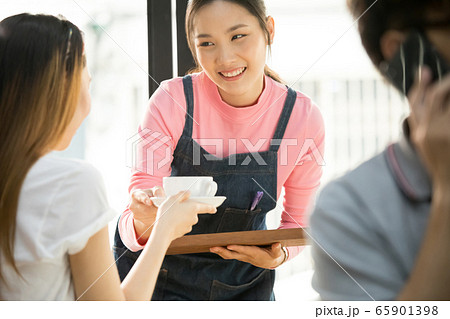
{"points": [[245, 99]]}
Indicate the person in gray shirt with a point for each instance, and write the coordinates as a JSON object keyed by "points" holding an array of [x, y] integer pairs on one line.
{"points": [[382, 231]]}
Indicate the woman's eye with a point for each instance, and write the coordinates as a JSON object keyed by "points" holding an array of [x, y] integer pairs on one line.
{"points": [[238, 36], [206, 44]]}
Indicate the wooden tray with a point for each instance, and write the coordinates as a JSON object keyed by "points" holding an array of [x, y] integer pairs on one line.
{"points": [[201, 243]]}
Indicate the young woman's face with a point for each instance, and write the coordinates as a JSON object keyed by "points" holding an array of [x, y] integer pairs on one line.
{"points": [[231, 48], [82, 111]]}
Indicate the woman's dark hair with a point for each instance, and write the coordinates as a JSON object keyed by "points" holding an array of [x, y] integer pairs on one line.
{"points": [[256, 7], [41, 62], [376, 17]]}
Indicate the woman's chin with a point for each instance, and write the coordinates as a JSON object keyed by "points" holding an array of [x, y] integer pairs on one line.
{"points": [[62, 145]]}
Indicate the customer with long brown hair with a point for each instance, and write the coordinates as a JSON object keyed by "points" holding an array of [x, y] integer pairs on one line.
{"points": [[53, 211]]}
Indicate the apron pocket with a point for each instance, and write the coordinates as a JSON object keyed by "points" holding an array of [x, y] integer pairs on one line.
{"points": [[260, 288], [234, 219], [160, 287]]}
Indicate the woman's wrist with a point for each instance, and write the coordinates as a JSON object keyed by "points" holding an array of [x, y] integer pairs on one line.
{"points": [[161, 237], [285, 256], [142, 230]]}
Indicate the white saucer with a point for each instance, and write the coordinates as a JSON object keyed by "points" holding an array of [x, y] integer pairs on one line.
{"points": [[215, 201]]}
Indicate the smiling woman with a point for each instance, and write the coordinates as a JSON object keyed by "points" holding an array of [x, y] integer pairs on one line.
{"points": [[230, 89], [232, 54], [212, 36]]}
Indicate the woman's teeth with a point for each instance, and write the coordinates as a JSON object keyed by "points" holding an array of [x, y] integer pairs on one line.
{"points": [[234, 73]]}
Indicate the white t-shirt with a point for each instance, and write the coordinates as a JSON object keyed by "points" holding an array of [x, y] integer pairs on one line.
{"points": [[62, 204]]}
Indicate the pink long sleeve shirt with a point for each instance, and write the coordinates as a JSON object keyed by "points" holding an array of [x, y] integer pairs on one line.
{"points": [[222, 130]]}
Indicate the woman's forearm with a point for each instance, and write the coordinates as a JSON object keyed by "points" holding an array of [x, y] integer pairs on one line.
{"points": [[430, 278], [140, 281], [143, 231]]}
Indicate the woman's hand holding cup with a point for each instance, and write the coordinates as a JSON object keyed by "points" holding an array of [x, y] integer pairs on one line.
{"points": [[144, 210], [177, 214]]}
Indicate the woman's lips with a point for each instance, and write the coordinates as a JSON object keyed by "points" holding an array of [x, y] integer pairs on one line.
{"points": [[233, 75]]}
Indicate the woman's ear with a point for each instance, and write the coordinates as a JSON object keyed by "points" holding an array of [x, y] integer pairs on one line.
{"points": [[390, 43], [271, 28]]}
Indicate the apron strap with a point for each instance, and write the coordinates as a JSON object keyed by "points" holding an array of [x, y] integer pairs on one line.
{"points": [[284, 119], [189, 95]]}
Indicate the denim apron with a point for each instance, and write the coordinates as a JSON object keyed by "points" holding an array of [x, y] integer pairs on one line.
{"points": [[207, 276]]}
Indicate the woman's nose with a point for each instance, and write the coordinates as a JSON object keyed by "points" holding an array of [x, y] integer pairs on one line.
{"points": [[225, 55]]}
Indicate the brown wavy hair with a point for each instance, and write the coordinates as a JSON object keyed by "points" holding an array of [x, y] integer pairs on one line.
{"points": [[256, 7], [41, 62]]}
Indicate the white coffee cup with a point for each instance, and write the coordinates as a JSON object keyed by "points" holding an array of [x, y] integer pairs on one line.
{"points": [[198, 186]]}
